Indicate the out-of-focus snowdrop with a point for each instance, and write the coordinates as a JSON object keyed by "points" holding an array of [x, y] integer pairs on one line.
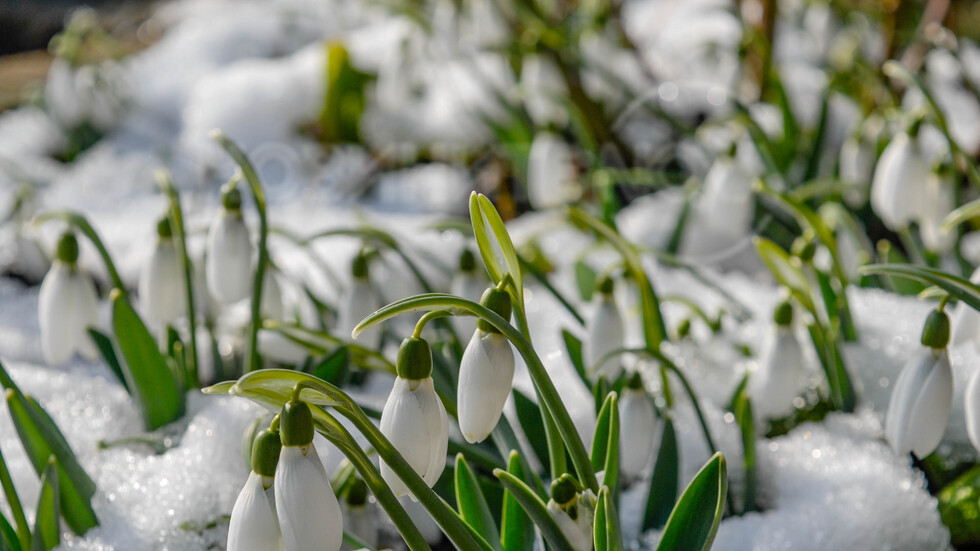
{"points": [[422, 520], [612, 74], [552, 177], [272, 305], [638, 425], [359, 302], [573, 510], [67, 306], [971, 403], [20, 249], [940, 201], [468, 284], [966, 320], [605, 333], [93, 94], [543, 90], [414, 419], [779, 378], [163, 298], [482, 26], [277, 347], [945, 77], [229, 251], [254, 525], [359, 515], [309, 513], [923, 395], [721, 215], [898, 186], [857, 164], [805, 85], [486, 373]]}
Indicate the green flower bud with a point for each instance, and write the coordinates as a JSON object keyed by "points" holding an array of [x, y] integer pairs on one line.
{"points": [[67, 248], [164, 231], [935, 333], [357, 493], [684, 328], [565, 489], [265, 452], [605, 285], [635, 381], [414, 359], [296, 424], [359, 266], [498, 301], [467, 262], [231, 198], [783, 314]]}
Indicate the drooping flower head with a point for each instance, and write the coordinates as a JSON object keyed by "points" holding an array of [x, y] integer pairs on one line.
{"points": [[229, 262], [414, 419], [573, 510], [309, 513], [254, 524], [359, 516], [606, 333], [467, 284], [898, 186], [637, 427], [67, 306], [486, 372], [161, 285], [359, 302], [779, 377]]}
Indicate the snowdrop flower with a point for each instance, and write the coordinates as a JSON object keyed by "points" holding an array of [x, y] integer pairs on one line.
{"points": [[551, 173], [359, 302], [971, 401], [637, 426], [857, 164], [966, 320], [254, 525], [308, 511], [63, 100], [605, 333], [414, 419], [229, 262], [486, 372], [272, 306], [161, 285], [573, 510], [466, 284], [939, 202], [923, 394], [359, 516], [778, 379], [67, 306], [899, 180]]}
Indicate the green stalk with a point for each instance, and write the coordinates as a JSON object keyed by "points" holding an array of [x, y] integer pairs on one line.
{"points": [[258, 196], [23, 529], [539, 375], [177, 223], [79, 222]]}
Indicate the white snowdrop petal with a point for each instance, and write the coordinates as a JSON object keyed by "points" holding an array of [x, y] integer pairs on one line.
{"points": [[920, 404], [638, 425], [254, 525], [358, 304], [272, 304], [605, 334], [486, 374], [308, 511], [437, 422], [780, 376], [896, 188], [229, 261], [161, 286], [573, 533], [67, 307], [971, 401]]}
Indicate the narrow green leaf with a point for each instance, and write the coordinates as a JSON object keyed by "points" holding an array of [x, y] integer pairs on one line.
{"points": [[746, 424], [574, 347], [333, 368], [23, 532], [585, 278], [694, 522], [600, 536], [41, 439], [8, 536], [472, 505], [599, 392], [611, 465], [614, 534], [600, 438], [664, 482], [154, 385], [47, 528], [529, 416], [958, 287], [785, 269], [516, 529], [535, 509], [108, 352], [482, 235], [496, 224]]}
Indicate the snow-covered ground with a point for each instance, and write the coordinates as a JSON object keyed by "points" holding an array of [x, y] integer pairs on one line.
{"points": [[254, 70]]}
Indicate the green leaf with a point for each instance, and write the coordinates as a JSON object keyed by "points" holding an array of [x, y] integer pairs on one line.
{"points": [[607, 529], [155, 387], [47, 528], [605, 442], [535, 509], [600, 536], [104, 344], [516, 529], [489, 214], [585, 278], [333, 367], [574, 347], [664, 481], [529, 416], [786, 269], [958, 287], [22, 535], [8, 536], [694, 522], [41, 439], [746, 423], [472, 505]]}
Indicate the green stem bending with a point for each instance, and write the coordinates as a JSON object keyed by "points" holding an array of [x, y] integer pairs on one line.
{"points": [[248, 171], [177, 223]]}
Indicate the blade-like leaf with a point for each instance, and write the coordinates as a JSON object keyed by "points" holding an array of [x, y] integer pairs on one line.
{"points": [[153, 383], [499, 230], [47, 528], [536, 509], [529, 416], [694, 522], [8, 536], [104, 344], [585, 278], [516, 529], [574, 347], [664, 482], [958, 287], [614, 535], [472, 505], [333, 367], [605, 442], [600, 535], [746, 423], [785, 269]]}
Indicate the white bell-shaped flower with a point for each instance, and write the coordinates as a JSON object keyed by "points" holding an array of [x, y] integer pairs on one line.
{"points": [[163, 297], [897, 189], [726, 203], [638, 425], [923, 395], [486, 374], [605, 333], [552, 178], [939, 203], [573, 511], [360, 519], [309, 513], [857, 164], [272, 306], [61, 95], [358, 303], [228, 267], [466, 283], [971, 403], [254, 524], [779, 378], [414, 419], [67, 307], [966, 320]]}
